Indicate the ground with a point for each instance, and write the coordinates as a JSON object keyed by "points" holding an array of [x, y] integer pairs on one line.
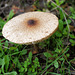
{"points": [[56, 55]]}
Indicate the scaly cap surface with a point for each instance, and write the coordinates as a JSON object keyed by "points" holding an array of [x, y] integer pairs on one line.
{"points": [[31, 27]]}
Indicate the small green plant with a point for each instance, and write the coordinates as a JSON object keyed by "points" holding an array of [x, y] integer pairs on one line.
{"points": [[30, 66], [72, 13], [58, 2]]}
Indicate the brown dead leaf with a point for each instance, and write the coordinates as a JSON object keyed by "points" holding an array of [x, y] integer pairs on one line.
{"points": [[34, 52], [16, 9], [72, 28], [30, 8]]}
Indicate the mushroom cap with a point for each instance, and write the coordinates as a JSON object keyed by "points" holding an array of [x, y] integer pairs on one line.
{"points": [[31, 27]]}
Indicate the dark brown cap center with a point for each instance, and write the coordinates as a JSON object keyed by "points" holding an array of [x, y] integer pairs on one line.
{"points": [[31, 22]]}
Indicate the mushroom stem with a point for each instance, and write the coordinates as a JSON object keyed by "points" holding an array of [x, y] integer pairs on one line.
{"points": [[35, 48]]}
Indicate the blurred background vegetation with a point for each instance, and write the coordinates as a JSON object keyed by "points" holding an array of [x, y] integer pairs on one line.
{"points": [[56, 55]]}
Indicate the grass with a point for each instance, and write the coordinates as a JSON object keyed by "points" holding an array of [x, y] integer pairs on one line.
{"points": [[57, 56]]}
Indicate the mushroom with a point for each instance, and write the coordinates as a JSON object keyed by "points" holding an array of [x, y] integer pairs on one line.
{"points": [[30, 28]]}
